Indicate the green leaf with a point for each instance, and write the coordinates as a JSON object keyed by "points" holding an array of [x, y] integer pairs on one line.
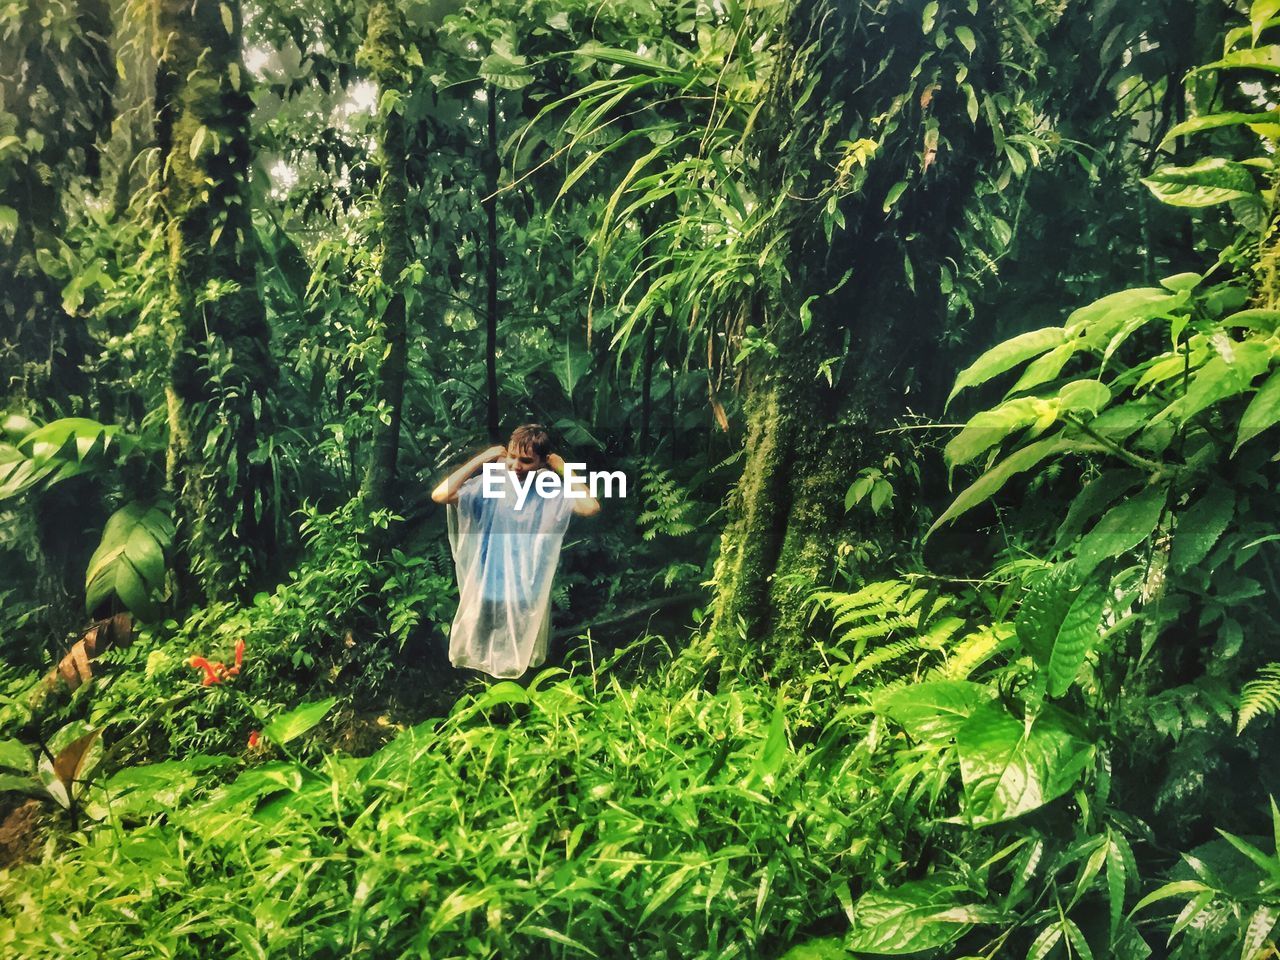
{"points": [[1121, 528], [296, 722], [773, 752], [1203, 184], [1098, 322], [505, 72], [1009, 769], [824, 948], [894, 193], [1043, 609], [15, 756], [934, 710], [1090, 395], [1200, 526], [1176, 888], [1006, 356], [966, 38], [915, 916], [1077, 636], [1228, 373], [1265, 58], [991, 482], [1213, 121], [1258, 930], [627, 58], [547, 933], [130, 559], [1117, 881], [989, 427], [1260, 11], [1046, 368], [11, 782], [929, 17], [1263, 412]]}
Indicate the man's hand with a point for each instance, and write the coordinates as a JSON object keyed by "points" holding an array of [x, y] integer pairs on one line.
{"points": [[583, 506], [447, 491]]}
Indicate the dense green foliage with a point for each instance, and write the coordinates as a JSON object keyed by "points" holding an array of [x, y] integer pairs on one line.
{"points": [[1006, 687]]}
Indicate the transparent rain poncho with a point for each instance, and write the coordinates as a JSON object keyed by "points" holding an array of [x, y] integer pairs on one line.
{"points": [[505, 559]]}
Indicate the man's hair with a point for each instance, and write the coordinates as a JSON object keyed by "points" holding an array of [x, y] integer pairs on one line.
{"points": [[531, 436]]}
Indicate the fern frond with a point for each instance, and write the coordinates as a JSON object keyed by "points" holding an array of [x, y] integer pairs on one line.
{"points": [[1260, 696], [973, 651]]}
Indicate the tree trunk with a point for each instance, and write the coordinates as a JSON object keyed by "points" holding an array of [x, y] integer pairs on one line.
{"points": [[384, 50], [221, 371], [491, 264]]}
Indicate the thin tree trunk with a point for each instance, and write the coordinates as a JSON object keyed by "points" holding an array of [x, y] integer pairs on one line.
{"points": [[384, 49], [221, 371], [491, 264]]}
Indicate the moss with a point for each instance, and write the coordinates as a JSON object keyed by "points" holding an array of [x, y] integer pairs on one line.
{"points": [[750, 543], [221, 372], [383, 52]]}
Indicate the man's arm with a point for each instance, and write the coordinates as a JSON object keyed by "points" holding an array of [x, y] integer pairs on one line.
{"points": [[583, 506], [447, 492]]}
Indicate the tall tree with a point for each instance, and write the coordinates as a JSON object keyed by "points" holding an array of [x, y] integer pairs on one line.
{"points": [[384, 52], [221, 371], [491, 258], [57, 81]]}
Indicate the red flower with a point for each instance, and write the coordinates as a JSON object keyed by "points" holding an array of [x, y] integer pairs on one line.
{"points": [[218, 671], [254, 739], [211, 674]]}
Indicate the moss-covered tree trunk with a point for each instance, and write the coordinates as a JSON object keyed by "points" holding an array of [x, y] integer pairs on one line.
{"points": [[807, 434], [384, 52], [221, 371]]}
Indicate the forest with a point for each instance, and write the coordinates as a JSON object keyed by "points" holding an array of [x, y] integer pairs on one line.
{"points": [[937, 342]]}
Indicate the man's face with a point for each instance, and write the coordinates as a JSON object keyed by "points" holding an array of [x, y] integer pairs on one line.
{"points": [[523, 460]]}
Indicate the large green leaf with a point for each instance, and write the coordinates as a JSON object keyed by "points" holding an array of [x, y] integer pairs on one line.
{"points": [[823, 948], [296, 722], [1213, 121], [253, 786], [14, 755], [933, 710], [1043, 609], [1263, 412], [1200, 526], [1077, 635], [1229, 372], [989, 427], [130, 560], [1047, 367], [145, 789], [1007, 355], [506, 71], [1260, 12], [1203, 184], [1265, 58], [53, 452], [915, 916], [1010, 768], [1084, 395], [1121, 528], [990, 483], [1098, 322]]}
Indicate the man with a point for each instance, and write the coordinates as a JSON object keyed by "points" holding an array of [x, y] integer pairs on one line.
{"points": [[505, 536]]}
